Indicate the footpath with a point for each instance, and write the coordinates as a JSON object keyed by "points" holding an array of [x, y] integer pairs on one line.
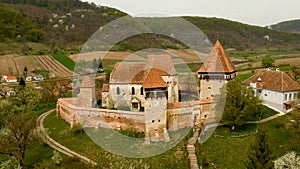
{"points": [[54, 144]]}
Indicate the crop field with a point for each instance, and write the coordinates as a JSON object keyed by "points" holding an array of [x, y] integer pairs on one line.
{"points": [[180, 56], [14, 65], [54, 67]]}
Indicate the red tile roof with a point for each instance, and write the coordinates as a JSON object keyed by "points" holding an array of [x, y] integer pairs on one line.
{"points": [[98, 94], [105, 88], [87, 82], [146, 73], [11, 78], [154, 79], [273, 80], [217, 61], [6, 89]]}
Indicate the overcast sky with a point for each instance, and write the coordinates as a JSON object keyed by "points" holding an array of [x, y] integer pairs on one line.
{"points": [[254, 12]]}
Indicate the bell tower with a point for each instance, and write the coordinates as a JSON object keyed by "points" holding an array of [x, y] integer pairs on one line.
{"points": [[216, 70], [86, 97]]}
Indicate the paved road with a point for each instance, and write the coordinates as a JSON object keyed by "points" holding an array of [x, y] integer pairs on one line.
{"points": [[54, 144]]}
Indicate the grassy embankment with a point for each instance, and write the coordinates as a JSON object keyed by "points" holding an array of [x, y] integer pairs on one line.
{"points": [[80, 142]]}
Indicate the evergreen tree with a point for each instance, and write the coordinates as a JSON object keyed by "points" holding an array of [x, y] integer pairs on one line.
{"points": [[95, 64], [22, 82], [25, 71], [260, 152]]}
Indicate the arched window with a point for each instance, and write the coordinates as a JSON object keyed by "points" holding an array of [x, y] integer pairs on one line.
{"points": [[132, 91], [118, 90], [142, 91]]}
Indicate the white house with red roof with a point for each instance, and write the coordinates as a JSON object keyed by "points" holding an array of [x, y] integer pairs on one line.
{"points": [[275, 88], [9, 79]]}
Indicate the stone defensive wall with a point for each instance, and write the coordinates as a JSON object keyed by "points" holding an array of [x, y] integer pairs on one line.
{"points": [[95, 117], [182, 114], [179, 115]]}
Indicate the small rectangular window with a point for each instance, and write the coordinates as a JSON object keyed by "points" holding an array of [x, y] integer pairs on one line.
{"points": [[285, 97], [294, 97], [290, 96], [118, 90]]}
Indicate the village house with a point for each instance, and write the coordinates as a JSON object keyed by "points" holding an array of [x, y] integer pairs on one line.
{"points": [[38, 78], [9, 79], [275, 88], [34, 77], [7, 91]]}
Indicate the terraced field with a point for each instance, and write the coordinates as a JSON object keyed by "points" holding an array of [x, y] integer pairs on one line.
{"points": [[54, 67]]}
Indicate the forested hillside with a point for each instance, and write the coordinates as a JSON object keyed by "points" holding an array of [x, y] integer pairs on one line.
{"points": [[289, 26], [68, 23], [63, 22], [242, 36]]}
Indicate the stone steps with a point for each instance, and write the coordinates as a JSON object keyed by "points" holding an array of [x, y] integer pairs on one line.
{"points": [[191, 150]]}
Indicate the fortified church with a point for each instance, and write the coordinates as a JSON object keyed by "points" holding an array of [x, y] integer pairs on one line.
{"points": [[147, 94]]}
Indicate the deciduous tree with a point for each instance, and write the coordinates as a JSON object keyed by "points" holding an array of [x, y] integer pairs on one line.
{"points": [[267, 61], [239, 102], [289, 160], [19, 122]]}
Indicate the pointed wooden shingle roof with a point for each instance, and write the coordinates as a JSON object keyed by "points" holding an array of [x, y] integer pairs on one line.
{"points": [[217, 61], [273, 80]]}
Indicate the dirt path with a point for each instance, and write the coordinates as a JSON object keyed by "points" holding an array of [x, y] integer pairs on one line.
{"points": [[54, 144]]}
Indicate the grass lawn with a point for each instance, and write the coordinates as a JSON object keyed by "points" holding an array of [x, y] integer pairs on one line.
{"points": [[226, 131], [65, 60], [80, 142], [228, 152], [244, 77], [266, 112]]}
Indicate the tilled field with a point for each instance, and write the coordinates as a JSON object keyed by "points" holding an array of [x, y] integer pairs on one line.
{"points": [[54, 67]]}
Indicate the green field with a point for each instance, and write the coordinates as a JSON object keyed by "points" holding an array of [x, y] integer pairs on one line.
{"points": [[244, 77], [65, 60], [228, 152]]}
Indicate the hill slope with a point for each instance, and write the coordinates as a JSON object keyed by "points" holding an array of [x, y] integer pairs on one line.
{"points": [[289, 26], [65, 23], [242, 36]]}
